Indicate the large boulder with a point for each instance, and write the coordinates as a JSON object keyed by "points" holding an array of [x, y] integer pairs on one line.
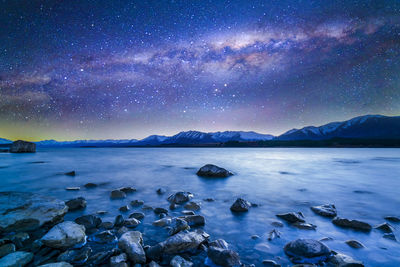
{"points": [[211, 170], [354, 224], [22, 211], [131, 243], [327, 210], [307, 251], [16, 259], [240, 205], [22, 147], [65, 235]]}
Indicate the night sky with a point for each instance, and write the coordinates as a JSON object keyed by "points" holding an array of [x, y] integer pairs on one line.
{"points": [[128, 69]]}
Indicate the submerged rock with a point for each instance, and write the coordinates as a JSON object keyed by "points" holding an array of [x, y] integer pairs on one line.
{"points": [[178, 261], [327, 210], [65, 235], [89, 221], [354, 243], [119, 221], [180, 197], [160, 210], [354, 224], [90, 185], [117, 194], [16, 259], [292, 217], [22, 211], [192, 206], [240, 205], [20, 146], [385, 227], [390, 236], [307, 251], [76, 204], [124, 208], [131, 243], [211, 170], [71, 173]]}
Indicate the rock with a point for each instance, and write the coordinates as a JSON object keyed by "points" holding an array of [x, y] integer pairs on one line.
{"points": [[324, 239], [327, 210], [211, 170], [16, 259], [101, 212], [122, 230], [161, 191], [127, 189], [117, 194], [22, 211], [307, 251], [392, 219], [44, 255], [71, 173], [180, 197], [119, 260], [270, 263], [57, 264], [137, 203], [76, 256], [209, 199], [106, 225], [90, 185], [163, 222], [131, 223], [292, 217], [6, 249], [194, 220], [147, 207], [273, 234], [65, 235], [223, 256], [354, 243], [77, 188], [104, 237], [100, 258], [89, 221], [131, 243], [385, 227], [119, 221], [20, 146], [354, 224], [76, 204], [240, 205], [390, 236], [304, 226], [124, 208], [341, 260], [192, 206], [137, 215], [178, 261], [219, 243], [255, 237], [160, 210], [277, 224], [19, 239], [153, 264], [188, 212], [177, 225]]}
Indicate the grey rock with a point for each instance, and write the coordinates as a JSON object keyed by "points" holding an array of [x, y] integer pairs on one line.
{"points": [[223, 256], [90, 221], [131, 223], [188, 212], [307, 251], [137, 215], [102, 257], [178, 261], [57, 264], [75, 256], [137, 203], [277, 224], [117, 194], [273, 234], [177, 225], [292, 217], [6, 249], [20, 146], [354, 224], [304, 226], [240, 205], [194, 220], [180, 197], [211, 170], [219, 243], [192, 206], [22, 211], [104, 237], [16, 259], [163, 222], [19, 239], [385, 227], [122, 230], [131, 243], [342, 260], [327, 210], [76, 204], [65, 235], [116, 261], [354, 243], [153, 264]]}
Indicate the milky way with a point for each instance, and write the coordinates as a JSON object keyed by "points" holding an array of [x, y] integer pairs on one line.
{"points": [[120, 69]]}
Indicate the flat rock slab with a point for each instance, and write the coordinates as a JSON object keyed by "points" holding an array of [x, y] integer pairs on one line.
{"points": [[22, 211]]}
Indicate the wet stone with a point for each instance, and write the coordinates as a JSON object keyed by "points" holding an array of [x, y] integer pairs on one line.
{"points": [[119, 221], [131, 223], [137, 203], [6, 249], [124, 208], [292, 217], [104, 237], [192, 206], [354, 243], [240, 205], [137, 215], [128, 189], [16, 259], [117, 194], [89, 221], [160, 210], [354, 224], [76, 204], [385, 227], [161, 191], [180, 197], [76, 256], [307, 251], [327, 210], [392, 219], [90, 185]]}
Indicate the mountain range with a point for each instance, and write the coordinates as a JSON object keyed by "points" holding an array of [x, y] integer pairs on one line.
{"points": [[363, 127]]}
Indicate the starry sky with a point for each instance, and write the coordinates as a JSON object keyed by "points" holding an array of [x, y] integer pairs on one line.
{"points": [[128, 69]]}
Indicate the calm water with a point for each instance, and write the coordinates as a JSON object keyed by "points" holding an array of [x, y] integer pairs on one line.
{"points": [[278, 179]]}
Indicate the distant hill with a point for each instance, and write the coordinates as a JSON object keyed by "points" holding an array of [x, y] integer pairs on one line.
{"points": [[366, 127]]}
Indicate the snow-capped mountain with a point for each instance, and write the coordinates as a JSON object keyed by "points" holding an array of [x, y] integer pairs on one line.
{"points": [[368, 126]]}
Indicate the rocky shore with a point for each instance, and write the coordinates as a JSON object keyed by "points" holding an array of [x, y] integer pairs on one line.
{"points": [[34, 233]]}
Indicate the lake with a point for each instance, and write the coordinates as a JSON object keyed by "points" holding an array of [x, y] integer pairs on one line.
{"points": [[363, 183]]}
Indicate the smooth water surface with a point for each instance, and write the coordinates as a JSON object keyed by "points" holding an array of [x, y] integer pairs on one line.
{"points": [[363, 184]]}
